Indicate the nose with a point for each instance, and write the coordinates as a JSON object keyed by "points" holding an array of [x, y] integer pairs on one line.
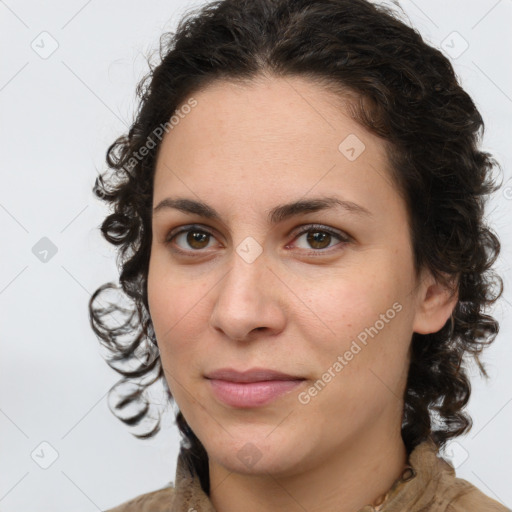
{"points": [[250, 298]]}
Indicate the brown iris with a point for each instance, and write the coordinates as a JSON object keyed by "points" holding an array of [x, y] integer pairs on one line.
{"points": [[318, 237], [197, 237]]}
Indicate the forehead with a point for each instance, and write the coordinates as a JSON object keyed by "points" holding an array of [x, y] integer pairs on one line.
{"points": [[281, 137]]}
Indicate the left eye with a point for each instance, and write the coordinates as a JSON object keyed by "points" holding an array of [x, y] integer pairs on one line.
{"points": [[319, 238]]}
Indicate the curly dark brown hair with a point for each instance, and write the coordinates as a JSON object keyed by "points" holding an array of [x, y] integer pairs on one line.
{"points": [[403, 90]]}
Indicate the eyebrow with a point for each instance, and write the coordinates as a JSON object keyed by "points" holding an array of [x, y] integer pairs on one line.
{"points": [[275, 215]]}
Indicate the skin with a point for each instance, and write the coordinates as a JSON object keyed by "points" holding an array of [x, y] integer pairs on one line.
{"points": [[245, 149]]}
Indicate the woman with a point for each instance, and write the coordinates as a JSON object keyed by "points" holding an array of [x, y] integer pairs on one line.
{"points": [[299, 209]]}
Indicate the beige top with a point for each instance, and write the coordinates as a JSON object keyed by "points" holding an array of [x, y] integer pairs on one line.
{"points": [[433, 488]]}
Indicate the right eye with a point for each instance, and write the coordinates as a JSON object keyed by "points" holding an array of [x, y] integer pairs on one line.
{"points": [[189, 239]]}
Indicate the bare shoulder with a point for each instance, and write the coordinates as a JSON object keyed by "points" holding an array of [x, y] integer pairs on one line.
{"points": [[155, 501], [469, 497]]}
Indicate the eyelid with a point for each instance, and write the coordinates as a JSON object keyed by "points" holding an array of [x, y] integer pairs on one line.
{"points": [[188, 227], [320, 227]]}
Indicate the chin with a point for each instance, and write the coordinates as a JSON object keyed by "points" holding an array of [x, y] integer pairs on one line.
{"points": [[255, 455]]}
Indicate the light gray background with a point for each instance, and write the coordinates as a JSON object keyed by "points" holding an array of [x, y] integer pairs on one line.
{"points": [[59, 113]]}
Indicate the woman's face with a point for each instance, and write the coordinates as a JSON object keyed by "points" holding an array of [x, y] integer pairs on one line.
{"points": [[326, 294]]}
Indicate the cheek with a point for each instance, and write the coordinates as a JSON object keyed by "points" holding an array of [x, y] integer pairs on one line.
{"points": [[360, 369], [347, 304], [175, 307], [175, 299], [363, 319]]}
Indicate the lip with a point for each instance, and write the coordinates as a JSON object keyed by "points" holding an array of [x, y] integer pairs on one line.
{"points": [[251, 375], [251, 388]]}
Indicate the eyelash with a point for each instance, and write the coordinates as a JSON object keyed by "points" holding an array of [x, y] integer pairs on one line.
{"points": [[343, 238]]}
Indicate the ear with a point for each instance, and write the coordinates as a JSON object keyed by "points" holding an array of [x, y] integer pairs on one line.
{"points": [[435, 304]]}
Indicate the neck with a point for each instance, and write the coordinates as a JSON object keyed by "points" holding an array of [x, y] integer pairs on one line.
{"points": [[355, 474]]}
